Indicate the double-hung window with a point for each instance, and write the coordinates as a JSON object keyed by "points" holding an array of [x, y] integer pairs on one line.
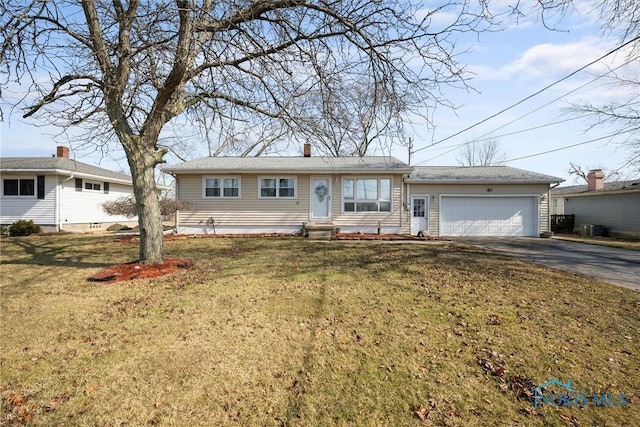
{"points": [[279, 187], [221, 187], [366, 195]]}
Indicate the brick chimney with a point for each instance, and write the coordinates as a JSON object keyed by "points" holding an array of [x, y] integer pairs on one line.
{"points": [[62, 152], [307, 149], [595, 180]]}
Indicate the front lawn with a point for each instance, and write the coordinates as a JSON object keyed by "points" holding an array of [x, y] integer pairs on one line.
{"points": [[290, 332]]}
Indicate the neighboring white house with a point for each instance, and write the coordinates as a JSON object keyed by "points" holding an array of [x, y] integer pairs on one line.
{"points": [[281, 194], [58, 193], [614, 205]]}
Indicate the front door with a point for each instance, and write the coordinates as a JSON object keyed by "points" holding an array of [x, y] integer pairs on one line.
{"points": [[320, 198], [418, 214]]}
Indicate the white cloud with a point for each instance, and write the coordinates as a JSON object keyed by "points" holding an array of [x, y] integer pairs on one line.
{"points": [[549, 61]]}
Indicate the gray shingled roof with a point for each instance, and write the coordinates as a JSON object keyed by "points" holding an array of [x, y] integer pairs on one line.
{"points": [[291, 164], [59, 165], [617, 186], [478, 175]]}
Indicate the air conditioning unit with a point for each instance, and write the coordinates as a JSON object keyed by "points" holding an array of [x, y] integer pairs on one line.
{"points": [[592, 230]]}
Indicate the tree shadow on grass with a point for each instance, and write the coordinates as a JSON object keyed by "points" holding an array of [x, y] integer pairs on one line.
{"points": [[301, 383], [45, 252]]}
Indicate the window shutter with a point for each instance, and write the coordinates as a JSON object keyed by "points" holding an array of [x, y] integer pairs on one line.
{"points": [[78, 184], [40, 187], [105, 186]]}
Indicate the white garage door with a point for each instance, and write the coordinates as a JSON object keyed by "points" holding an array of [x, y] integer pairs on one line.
{"points": [[488, 216]]}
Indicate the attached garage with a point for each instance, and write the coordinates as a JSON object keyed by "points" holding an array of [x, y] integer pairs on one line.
{"points": [[479, 201], [489, 215]]}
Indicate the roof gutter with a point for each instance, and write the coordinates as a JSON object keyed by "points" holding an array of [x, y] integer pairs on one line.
{"points": [[71, 174], [467, 182], [174, 172]]}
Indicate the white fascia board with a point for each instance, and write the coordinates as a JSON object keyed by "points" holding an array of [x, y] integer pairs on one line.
{"points": [[69, 174], [332, 171]]}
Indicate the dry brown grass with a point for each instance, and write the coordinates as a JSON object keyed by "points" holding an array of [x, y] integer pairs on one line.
{"points": [[290, 332], [631, 244]]}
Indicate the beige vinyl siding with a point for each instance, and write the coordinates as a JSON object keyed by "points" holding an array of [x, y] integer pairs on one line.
{"points": [[545, 211], [247, 210], [83, 207], [40, 211], [251, 211], [435, 190]]}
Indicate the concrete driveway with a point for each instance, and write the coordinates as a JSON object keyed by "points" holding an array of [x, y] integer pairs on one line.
{"points": [[617, 266]]}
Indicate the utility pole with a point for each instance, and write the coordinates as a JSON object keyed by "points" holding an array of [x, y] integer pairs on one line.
{"points": [[410, 146]]}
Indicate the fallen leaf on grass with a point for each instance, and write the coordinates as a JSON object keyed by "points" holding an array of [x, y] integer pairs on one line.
{"points": [[422, 412], [494, 319]]}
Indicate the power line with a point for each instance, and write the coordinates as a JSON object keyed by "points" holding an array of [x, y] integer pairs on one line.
{"points": [[560, 97], [532, 95], [482, 137], [457, 146], [567, 146]]}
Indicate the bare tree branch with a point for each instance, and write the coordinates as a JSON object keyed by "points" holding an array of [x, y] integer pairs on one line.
{"points": [[139, 73], [481, 153]]}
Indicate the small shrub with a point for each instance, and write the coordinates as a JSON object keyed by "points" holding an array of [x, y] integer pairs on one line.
{"points": [[118, 227], [24, 228], [3, 230]]}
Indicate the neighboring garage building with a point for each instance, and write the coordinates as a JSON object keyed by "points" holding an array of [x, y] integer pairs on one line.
{"points": [[478, 201]]}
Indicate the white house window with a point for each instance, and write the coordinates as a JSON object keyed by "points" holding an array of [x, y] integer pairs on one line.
{"points": [[278, 187], [93, 186], [221, 187], [19, 187], [366, 195]]}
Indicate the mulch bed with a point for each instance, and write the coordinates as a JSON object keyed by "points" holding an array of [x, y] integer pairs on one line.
{"points": [[135, 270], [367, 236]]}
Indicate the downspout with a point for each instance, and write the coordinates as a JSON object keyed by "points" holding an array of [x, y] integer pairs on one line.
{"points": [[58, 200], [401, 207], [408, 205], [549, 206]]}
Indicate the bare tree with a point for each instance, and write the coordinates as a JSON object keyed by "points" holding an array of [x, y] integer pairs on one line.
{"points": [[351, 118], [486, 152], [133, 71], [622, 19], [581, 173]]}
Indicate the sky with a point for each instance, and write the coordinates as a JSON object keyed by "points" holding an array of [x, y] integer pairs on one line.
{"points": [[507, 67]]}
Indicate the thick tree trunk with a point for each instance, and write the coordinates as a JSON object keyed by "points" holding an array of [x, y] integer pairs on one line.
{"points": [[149, 218]]}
